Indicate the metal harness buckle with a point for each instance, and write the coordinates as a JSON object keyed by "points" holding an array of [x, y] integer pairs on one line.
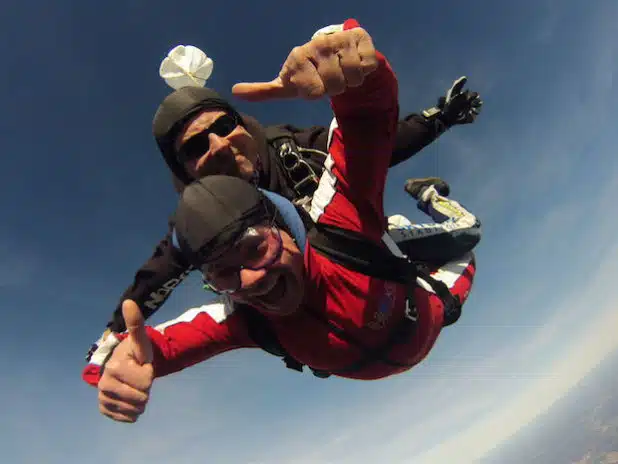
{"points": [[304, 178], [411, 311]]}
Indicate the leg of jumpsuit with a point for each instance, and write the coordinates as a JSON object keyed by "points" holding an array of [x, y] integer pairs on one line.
{"points": [[454, 233], [444, 248]]}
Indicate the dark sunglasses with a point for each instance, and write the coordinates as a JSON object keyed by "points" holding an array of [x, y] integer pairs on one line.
{"points": [[197, 145]]}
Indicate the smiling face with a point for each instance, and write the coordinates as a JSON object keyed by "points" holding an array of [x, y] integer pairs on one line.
{"points": [[212, 143], [265, 270]]}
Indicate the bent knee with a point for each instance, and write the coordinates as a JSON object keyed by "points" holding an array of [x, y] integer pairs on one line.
{"points": [[458, 275]]}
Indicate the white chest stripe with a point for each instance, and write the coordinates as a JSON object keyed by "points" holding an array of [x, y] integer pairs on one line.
{"points": [[327, 188], [449, 273], [331, 129]]}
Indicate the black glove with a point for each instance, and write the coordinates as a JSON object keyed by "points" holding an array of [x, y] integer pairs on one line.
{"points": [[456, 107]]}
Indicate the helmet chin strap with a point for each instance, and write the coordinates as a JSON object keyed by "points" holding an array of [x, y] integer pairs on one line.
{"points": [[290, 216]]}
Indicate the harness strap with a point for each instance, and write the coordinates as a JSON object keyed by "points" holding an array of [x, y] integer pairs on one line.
{"points": [[355, 252], [302, 175]]}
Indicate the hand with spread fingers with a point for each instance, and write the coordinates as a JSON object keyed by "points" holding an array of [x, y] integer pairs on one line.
{"points": [[459, 106], [329, 63], [125, 385]]}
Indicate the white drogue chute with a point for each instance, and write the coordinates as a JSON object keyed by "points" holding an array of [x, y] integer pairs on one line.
{"points": [[186, 65]]}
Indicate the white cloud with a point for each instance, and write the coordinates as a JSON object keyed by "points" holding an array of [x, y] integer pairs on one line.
{"points": [[594, 342]]}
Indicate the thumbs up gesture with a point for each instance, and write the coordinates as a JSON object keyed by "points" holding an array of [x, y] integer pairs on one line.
{"points": [[326, 65], [124, 387]]}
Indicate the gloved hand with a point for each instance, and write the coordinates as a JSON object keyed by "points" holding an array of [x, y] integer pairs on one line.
{"points": [[456, 107]]}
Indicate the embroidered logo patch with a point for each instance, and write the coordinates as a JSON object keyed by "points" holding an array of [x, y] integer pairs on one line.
{"points": [[385, 308]]}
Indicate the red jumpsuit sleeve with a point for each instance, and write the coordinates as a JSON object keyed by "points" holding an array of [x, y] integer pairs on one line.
{"points": [[197, 335], [351, 190]]}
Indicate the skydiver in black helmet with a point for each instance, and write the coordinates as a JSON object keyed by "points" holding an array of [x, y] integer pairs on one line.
{"points": [[199, 133], [323, 309]]}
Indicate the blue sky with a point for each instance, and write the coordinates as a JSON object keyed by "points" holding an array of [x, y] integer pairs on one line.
{"points": [[87, 197]]}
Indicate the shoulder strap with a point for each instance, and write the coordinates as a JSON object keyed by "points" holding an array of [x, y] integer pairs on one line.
{"points": [[354, 251]]}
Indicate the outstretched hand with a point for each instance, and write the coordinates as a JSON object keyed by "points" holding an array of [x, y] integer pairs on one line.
{"points": [[124, 387], [326, 65], [459, 106]]}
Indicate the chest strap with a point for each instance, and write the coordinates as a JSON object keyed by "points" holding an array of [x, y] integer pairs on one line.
{"points": [[355, 252]]}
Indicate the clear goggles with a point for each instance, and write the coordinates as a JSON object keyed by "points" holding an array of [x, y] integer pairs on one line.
{"points": [[258, 248]]}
